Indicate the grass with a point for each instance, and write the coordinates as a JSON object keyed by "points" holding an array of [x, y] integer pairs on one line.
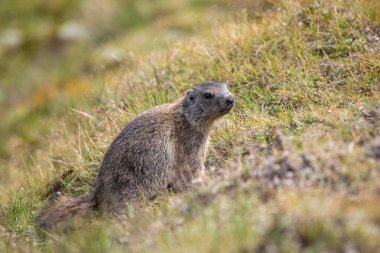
{"points": [[59, 52], [293, 168]]}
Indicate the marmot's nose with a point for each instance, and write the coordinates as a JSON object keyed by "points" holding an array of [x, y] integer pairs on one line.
{"points": [[230, 100]]}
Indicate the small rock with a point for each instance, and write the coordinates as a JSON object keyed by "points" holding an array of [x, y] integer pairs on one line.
{"points": [[374, 152], [73, 31], [11, 38]]}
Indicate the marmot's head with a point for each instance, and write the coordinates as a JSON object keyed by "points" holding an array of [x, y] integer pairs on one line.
{"points": [[206, 102]]}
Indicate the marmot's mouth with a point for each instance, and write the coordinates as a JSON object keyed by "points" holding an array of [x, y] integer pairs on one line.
{"points": [[225, 111]]}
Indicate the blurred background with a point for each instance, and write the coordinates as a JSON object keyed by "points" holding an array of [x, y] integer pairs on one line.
{"points": [[294, 167], [53, 53]]}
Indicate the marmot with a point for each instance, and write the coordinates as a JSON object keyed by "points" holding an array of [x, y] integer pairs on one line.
{"points": [[162, 148]]}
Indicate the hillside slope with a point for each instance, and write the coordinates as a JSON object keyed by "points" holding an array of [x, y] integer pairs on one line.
{"points": [[294, 167]]}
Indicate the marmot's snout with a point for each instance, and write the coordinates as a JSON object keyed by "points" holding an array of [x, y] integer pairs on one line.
{"points": [[226, 103], [229, 101]]}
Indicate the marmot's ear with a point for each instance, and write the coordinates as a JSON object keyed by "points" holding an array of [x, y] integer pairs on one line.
{"points": [[190, 95]]}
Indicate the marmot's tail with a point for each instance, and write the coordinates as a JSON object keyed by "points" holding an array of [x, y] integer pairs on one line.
{"points": [[63, 208]]}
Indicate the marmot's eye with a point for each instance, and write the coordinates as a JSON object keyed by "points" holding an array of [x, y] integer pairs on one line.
{"points": [[208, 94]]}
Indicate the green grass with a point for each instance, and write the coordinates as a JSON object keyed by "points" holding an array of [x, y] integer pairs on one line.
{"points": [[58, 52], [293, 168]]}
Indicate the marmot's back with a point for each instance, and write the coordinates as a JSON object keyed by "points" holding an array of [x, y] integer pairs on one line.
{"points": [[139, 157]]}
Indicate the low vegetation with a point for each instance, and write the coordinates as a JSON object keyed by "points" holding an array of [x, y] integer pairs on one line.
{"points": [[294, 167]]}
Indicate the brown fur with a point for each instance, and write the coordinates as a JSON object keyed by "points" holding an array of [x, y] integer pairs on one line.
{"points": [[63, 208], [162, 148]]}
